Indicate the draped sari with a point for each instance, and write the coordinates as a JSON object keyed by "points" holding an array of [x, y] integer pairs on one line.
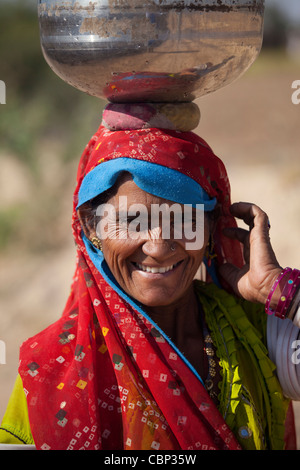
{"points": [[104, 376]]}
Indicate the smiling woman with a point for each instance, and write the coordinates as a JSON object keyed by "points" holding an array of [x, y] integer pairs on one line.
{"points": [[146, 356], [154, 268]]}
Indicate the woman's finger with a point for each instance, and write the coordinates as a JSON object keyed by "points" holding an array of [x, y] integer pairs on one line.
{"points": [[233, 275], [242, 236], [237, 233], [250, 214]]}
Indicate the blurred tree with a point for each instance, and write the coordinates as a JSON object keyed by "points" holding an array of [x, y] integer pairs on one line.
{"points": [[39, 104], [44, 122], [275, 29]]}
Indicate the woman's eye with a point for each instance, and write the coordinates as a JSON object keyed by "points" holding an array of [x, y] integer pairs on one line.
{"points": [[125, 220], [133, 223]]}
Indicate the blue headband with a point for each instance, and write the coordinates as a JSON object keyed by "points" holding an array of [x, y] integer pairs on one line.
{"points": [[153, 178]]}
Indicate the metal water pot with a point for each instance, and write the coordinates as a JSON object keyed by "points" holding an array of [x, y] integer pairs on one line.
{"points": [[150, 50]]}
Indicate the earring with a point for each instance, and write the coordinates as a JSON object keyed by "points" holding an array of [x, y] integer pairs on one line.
{"points": [[97, 243]]}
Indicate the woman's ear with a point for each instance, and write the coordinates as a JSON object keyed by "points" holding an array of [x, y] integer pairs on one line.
{"points": [[86, 217]]}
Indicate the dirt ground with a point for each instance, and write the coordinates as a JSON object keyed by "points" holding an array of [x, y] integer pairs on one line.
{"points": [[254, 127]]}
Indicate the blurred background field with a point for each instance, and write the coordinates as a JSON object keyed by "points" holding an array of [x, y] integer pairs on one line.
{"points": [[45, 124]]}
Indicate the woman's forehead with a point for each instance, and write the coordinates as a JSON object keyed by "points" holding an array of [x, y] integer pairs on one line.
{"points": [[126, 187]]}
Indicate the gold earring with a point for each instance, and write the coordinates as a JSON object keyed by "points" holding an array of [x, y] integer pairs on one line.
{"points": [[97, 243]]}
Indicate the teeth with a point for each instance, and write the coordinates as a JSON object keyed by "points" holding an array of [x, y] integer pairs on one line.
{"points": [[148, 269]]}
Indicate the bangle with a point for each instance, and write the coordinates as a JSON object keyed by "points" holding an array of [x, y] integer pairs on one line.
{"points": [[287, 295], [283, 273]]}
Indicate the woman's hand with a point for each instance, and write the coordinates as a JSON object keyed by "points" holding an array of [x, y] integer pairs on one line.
{"points": [[254, 281]]}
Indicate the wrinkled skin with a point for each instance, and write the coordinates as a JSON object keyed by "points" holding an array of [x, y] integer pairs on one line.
{"points": [[169, 297]]}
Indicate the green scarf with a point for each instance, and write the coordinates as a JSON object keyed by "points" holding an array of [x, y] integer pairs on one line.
{"points": [[250, 399]]}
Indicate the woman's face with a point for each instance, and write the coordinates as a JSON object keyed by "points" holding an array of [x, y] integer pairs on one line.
{"points": [[134, 257]]}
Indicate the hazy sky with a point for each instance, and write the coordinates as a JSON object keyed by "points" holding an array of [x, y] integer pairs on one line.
{"points": [[290, 7]]}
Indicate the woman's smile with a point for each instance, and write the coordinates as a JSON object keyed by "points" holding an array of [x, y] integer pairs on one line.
{"points": [[156, 272]]}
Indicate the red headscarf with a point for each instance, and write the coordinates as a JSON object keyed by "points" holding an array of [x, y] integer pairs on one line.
{"points": [[102, 376], [182, 151]]}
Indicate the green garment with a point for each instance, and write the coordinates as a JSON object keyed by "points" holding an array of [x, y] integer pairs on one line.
{"points": [[15, 427], [250, 399]]}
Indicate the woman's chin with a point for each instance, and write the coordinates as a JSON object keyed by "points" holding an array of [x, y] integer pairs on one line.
{"points": [[159, 297]]}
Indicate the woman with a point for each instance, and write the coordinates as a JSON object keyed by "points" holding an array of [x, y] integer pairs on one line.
{"points": [[144, 356]]}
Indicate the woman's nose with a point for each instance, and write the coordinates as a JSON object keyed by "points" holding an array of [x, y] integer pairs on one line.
{"points": [[156, 246]]}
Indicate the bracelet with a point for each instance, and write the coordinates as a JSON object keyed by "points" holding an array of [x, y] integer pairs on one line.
{"points": [[283, 273], [287, 295], [290, 291]]}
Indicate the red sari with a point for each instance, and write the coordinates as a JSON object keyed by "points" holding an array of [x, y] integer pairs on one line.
{"points": [[103, 377]]}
